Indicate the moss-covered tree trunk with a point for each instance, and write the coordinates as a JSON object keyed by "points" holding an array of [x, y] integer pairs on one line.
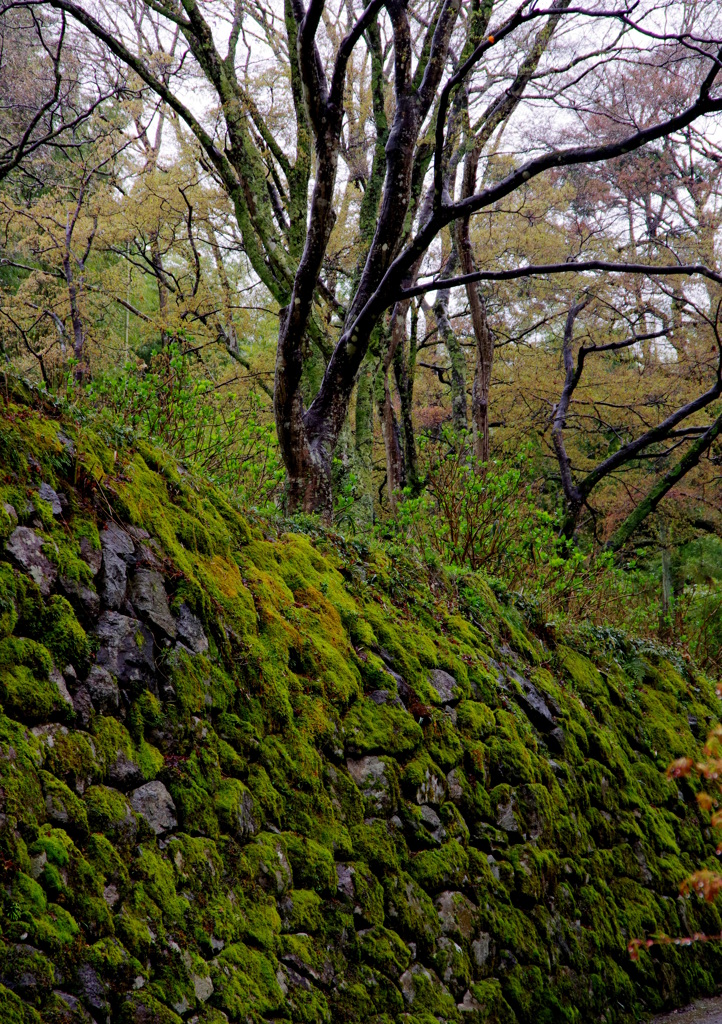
{"points": [[404, 373], [395, 470], [364, 446]]}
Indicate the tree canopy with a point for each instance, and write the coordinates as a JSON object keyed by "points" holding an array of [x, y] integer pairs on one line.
{"points": [[356, 258]]}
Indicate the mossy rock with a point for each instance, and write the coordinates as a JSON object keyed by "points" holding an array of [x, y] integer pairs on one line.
{"points": [[410, 911], [384, 949], [245, 982], [373, 729], [312, 864], [486, 1004], [444, 868], [237, 811], [266, 863], [475, 720], [63, 635], [9, 599], [109, 812], [13, 1010], [63, 807], [359, 884], [143, 1008], [28, 688], [301, 911]]}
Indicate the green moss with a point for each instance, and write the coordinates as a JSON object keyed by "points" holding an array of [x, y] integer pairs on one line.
{"points": [[302, 911], [150, 760], [245, 982], [265, 863], [583, 674], [142, 1007], [366, 893], [26, 689], [312, 865], [410, 911], [370, 728], [14, 1011], [8, 598], [43, 922], [63, 550], [63, 635], [445, 868], [19, 757], [200, 685], [238, 814], [565, 853], [428, 994], [381, 948], [109, 812], [63, 806], [110, 738], [267, 797], [475, 720], [443, 742]]}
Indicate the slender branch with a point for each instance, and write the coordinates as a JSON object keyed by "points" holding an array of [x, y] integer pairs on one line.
{"points": [[583, 266], [659, 433], [688, 461], [516, 19], [346, 48]]}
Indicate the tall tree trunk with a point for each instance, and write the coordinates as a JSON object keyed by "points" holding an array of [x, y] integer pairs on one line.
{"points": [[76, 318], [665, 618], [82, 370], [482, 381], [231, 336], [447, 335], [395, 470], [573, 496], [484, 347], [365, 446], [404, 373], [156, 261]]}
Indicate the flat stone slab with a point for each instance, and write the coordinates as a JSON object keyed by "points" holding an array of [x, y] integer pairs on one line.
{"points": [[47, 493], [155, 804], [150, 600], [126, 649], [25, 547], [445, 685], [190, 630], [118, 549]]}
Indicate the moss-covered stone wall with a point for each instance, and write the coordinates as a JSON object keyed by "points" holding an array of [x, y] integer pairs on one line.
{"points": [[250, 776]]}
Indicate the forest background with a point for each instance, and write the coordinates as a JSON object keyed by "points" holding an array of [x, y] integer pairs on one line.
{"points": [[179, 180]]}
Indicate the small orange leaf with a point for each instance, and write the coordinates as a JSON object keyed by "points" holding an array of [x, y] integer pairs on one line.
{"points": [[705, 801], [679, 768]]}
